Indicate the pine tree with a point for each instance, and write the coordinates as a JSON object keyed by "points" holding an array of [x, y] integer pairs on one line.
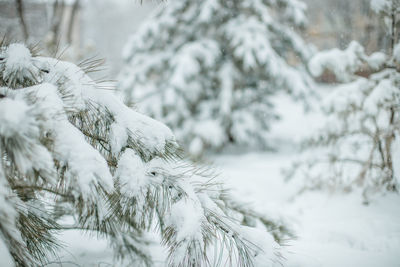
{"points": [[212, 67], [70, 148], [358, 146]]}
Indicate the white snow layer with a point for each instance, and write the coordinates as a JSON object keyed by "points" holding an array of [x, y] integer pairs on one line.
{"points": [[19, 63], [13, 114], [131, 173], [331, 230], [344, 63], [5, 257]]}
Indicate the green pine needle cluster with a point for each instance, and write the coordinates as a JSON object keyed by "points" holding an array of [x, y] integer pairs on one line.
{"points": [[39, 185]]}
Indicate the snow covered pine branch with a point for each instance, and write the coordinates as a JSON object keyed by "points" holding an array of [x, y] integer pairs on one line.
{"points": [[70, 148], [360, 139]]}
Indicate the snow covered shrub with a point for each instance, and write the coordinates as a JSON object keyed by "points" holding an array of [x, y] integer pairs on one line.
{"points": [[358, 146], [71, 148], [208, 69]]}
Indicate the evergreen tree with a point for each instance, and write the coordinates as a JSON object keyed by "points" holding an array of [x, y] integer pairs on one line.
{"points": [[208, 69], [70, 147], [360, 139]]}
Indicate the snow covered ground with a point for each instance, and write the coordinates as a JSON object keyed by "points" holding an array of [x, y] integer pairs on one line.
{"points": [[332, 230]]}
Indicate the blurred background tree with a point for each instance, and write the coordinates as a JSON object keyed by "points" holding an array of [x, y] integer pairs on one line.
{"points": [[74, 29], [209, 69], [337, 23], [331, 23], [358, 146], [55, 23]]}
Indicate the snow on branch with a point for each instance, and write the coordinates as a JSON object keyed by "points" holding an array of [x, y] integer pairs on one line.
{"points": [[356, 147], [72, 149]]}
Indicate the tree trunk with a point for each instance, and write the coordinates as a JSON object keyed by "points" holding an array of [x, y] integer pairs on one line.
{"points": [[20, 10], [71, 22]]}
